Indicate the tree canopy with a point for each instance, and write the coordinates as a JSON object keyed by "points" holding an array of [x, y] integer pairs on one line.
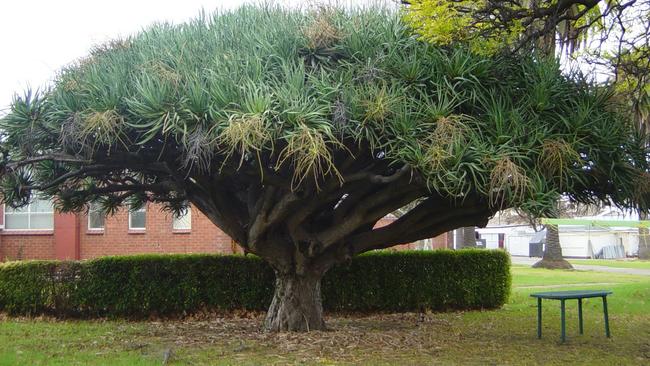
{"points": [[488, 26], [296, 131], [611, 37]]}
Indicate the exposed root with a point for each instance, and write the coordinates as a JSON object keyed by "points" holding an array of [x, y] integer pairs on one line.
{"points": [[553, 264]]}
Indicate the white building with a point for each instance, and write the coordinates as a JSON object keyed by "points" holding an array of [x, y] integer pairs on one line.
{"points": [[580, 241]]}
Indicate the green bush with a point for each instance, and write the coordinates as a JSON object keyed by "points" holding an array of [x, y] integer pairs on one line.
{"points": [[413, 280], [164, 285]]}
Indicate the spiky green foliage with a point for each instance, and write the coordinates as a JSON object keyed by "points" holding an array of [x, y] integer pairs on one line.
{"points": [[218, 110], [224, 88]]}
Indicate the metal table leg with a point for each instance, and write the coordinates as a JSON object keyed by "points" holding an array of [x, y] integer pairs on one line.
{"points": [[580, 315], [606, 316], [562, 309], [539, 317]]}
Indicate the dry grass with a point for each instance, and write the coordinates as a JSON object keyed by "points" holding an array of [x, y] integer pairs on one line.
{"points": [[379, 107], [102, 127], [435, 157], [70, 84], [449, 130], [322, 32], [101, 50], [106, 47], [556, 159], [508, 182], [308, 152], [244, 134], [164, 72]]}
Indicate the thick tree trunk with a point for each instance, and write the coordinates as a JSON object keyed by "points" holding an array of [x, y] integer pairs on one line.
{"points": [[553, 258], [296, 304]]}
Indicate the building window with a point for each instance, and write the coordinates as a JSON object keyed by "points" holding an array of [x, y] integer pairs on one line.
{"points": [[38, 215], [138, 218], [183, 222], [96, 217]]}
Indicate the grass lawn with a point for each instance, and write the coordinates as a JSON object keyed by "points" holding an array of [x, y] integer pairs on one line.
{"points": [[622, 263], [504, 336]]}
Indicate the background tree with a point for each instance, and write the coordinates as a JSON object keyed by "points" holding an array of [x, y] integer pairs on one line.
{"points": [[295, 132], [466, 237], [633, 88], [611, 36], [552, 257], [607, 29]]}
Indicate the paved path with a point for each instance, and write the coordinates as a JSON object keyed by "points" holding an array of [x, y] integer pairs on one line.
{"points": [[586, 267]]}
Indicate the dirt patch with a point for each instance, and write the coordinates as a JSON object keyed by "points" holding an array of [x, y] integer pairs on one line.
{"points": [[346, 335]]}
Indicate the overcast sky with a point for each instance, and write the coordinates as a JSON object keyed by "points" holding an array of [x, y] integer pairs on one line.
{"points": [[39, 37]]}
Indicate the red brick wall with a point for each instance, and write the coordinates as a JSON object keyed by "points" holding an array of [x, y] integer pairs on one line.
{"points": [[439, 242], [66, 236], [159, 237], [18, 245], [25, 245], [117, 239]]}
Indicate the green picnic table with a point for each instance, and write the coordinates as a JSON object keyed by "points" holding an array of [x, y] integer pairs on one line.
{"points": [[570, 295]]}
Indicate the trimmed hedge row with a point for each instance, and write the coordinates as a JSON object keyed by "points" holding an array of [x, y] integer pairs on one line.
{"points": [[145, 285]]}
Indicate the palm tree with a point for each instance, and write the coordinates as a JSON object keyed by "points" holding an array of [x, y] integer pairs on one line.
{"points": [[553, 258], [467, 237]]}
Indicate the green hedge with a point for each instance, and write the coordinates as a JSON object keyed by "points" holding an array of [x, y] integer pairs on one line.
{"points": [[145, 285]]}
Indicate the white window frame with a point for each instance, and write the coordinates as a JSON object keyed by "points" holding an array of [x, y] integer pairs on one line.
{"points": [[90, 211], [175, 219], [141, 209], [29, 218]]}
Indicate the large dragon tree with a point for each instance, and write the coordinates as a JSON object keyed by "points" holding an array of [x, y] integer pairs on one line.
{"points": [[295, 132]]}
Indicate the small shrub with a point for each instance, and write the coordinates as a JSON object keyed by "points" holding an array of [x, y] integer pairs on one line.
{"points": [[169, 285]]}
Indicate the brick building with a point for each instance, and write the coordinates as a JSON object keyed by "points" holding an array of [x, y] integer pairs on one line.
{"points": [[38, 232]]}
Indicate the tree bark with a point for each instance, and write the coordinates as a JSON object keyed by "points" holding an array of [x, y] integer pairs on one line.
{"points": [[468, 237], [553, 258], [644, 241], [296, 304]]}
